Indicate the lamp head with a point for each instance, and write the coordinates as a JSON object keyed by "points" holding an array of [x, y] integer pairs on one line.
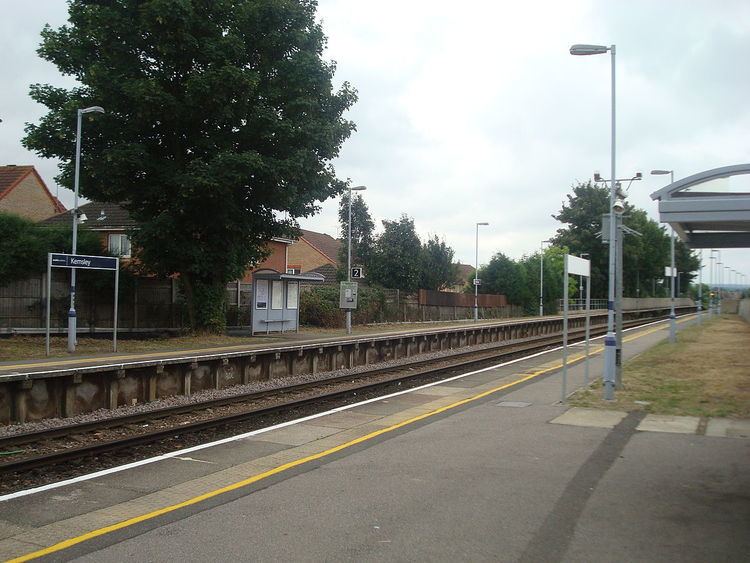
{"points": [[483, 224], [582, 49], [92, 109], [358, 189], [597, 176], [619, 206], [660, 172]]}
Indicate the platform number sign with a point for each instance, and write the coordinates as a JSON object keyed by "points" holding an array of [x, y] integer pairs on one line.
{"points": [[358, 273]]}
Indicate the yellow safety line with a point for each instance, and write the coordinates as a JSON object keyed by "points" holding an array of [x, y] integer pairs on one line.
{"points": [[292, 464]]}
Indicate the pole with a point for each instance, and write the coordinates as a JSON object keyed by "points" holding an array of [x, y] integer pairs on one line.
{"points": [[476, 276], [618, 305], [541, 279], [72, 320], [711, 283], [672, 322], [49, 286], [588, 326], [565, 332], [117, 294], [349, 263], [700, 286], [610, 343]]}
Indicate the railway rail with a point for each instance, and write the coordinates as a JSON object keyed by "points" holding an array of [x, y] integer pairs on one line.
{"points": [[50, 454]]}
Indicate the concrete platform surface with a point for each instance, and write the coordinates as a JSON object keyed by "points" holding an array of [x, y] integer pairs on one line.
{"points": [[479, 475]]}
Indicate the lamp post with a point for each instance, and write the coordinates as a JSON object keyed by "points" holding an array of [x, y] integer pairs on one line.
{"points": [[476, 272], [720, 275], [700, 286], [541, 277], [711, 259], [72, 320], [349, 253], [609, 340], [672, 321]]}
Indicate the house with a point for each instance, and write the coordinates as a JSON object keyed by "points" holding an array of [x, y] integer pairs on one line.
{"points": [[465, 273], [24, 193], [311, 251], [113, 223]]}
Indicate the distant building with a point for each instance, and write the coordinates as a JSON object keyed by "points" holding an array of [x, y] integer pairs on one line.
{"points": [[465, 273], [312, 251], [24, 193]]}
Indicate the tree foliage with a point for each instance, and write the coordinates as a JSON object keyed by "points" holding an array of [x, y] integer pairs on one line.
{"points": [[396, 258], [644, 257], [362, 232], [438, 269], [24, 246], [220, 117]]}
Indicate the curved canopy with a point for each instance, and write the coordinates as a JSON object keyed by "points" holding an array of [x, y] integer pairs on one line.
{"points": [[707, 219]]}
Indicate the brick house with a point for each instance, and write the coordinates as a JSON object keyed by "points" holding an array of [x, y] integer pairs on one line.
{"points": [[113, 223], [312, 251], [24, 193]]}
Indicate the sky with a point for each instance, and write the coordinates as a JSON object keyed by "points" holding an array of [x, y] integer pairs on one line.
{"points": [[475, 111]]}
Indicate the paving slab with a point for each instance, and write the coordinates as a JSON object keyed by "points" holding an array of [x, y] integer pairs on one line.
{"points": [[728, 428], [597, 418], [668, 423], [294, 435]]}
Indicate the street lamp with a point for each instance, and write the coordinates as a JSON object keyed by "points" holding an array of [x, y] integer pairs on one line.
{"points": [[672, 321], [541, 277], [610, 342], [72, 320], [349, 254], [476, 273]]}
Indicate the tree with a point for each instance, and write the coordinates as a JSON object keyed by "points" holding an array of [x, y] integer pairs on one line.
{"points": [[438, 269], [504, 276], [554, 269], [362, 232], [24, 246], [220, 118], [396, 256], [644, 256]]}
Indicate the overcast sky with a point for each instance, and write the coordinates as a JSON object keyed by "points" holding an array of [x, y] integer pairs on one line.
{"points": [[475, 111]]}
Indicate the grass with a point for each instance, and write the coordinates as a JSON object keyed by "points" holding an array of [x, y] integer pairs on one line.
{"points": [[705, 373]]}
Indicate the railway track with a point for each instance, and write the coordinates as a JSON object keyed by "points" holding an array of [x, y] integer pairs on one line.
{"points": [[119, 439]]}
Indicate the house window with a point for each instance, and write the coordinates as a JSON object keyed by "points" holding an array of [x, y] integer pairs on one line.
{"points": [[293, 270], [119, 245]]}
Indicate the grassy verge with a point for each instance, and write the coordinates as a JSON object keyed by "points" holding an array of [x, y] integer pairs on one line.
{"points": [[705, 373]]}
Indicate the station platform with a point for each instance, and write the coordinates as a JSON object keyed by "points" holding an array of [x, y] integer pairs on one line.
{"points": [[489, 466]]}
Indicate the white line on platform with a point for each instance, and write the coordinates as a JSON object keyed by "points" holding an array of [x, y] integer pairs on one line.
{"points": [[185, 451]]}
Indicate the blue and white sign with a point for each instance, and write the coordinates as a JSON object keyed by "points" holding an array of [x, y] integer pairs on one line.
{"points": [[83, 262]]}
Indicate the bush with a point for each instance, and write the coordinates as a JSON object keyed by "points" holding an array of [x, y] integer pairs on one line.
{"points": [[319, 306]]}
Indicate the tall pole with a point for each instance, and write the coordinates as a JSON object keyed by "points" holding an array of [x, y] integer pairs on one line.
{"points": [[72, 320], [541, 276], [672, 272], [610, 343], [711, 259], [700, 286], [618, 304], [476, 275], [349, 263]]}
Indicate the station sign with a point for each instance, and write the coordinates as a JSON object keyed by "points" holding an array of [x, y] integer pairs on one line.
{"points": [[358, 273], [84, 262], [477, 282]]}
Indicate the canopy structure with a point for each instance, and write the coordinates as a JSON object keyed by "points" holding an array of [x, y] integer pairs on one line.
{"points": [[707, 219]]}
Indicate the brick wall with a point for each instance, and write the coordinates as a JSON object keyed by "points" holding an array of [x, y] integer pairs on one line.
{"points": [[275, 261], [305, 256], [28, 199]]}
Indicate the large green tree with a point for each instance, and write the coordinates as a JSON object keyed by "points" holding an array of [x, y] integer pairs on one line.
{"points": [[396, 260], [221, 118], [505, 276], [438, 269], [644, 256]]}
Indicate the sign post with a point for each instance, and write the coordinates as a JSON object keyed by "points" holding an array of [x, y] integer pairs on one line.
{"points": [[580, 267], [82, 262]]}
